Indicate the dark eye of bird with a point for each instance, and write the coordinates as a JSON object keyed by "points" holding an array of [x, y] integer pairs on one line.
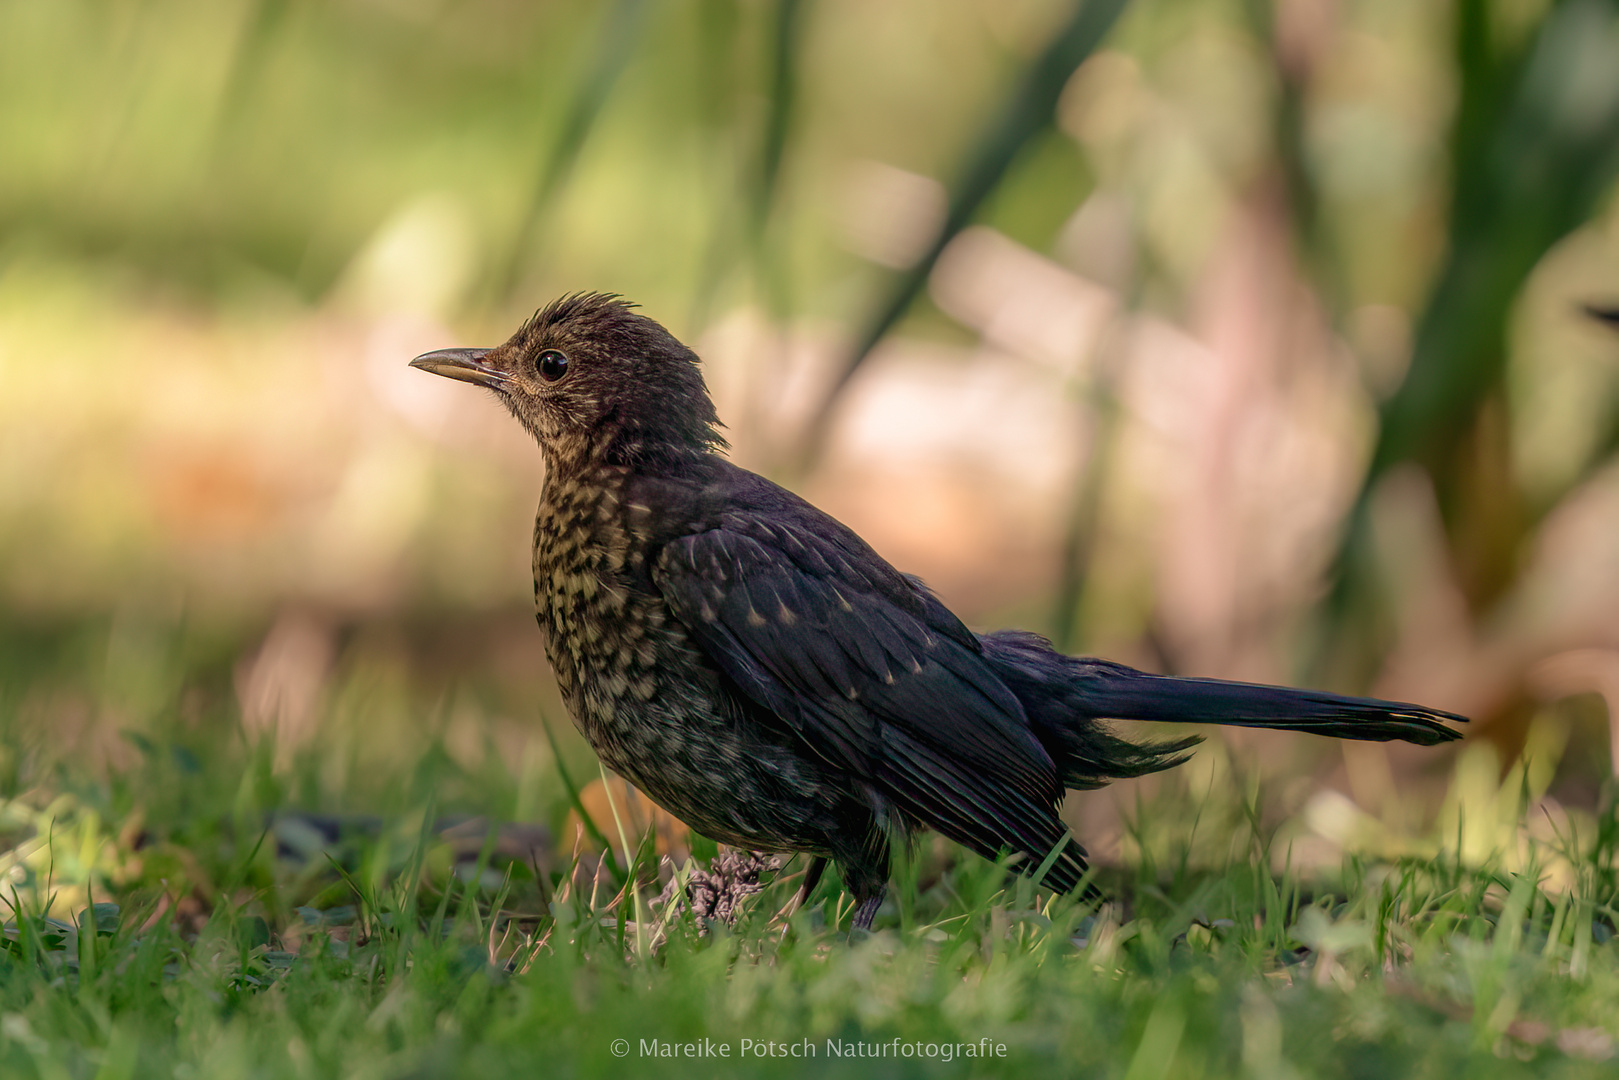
{"points": [[553, 365]]}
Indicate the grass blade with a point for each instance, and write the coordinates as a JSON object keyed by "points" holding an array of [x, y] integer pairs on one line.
{"points": [[1027, 112]]}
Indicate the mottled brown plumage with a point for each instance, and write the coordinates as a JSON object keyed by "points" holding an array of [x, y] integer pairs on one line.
{"points": [[755, 668]]}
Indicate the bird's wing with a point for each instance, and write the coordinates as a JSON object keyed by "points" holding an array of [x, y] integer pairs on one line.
{"points": [[871, 681]]}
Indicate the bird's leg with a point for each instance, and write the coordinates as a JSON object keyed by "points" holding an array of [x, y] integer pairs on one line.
{"points": [[865, 866], [867, 911], [812, 878]]}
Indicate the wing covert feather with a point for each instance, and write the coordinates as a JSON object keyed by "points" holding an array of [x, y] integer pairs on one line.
{"points": [[878, 684]]}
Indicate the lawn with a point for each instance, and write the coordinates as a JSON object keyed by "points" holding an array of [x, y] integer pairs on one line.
{"points": [[182, 903]]}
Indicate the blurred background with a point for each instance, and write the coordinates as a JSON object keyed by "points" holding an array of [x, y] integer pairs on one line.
{"points": [[1260, 339]]}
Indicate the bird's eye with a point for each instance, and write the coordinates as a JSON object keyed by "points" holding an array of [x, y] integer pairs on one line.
{"points": [[553, 365]]}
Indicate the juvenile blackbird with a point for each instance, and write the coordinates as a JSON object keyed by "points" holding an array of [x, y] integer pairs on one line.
{"points": [[758, 670]]}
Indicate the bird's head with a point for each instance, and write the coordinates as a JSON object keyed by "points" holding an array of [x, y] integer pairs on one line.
{"points": [[587, 374]]}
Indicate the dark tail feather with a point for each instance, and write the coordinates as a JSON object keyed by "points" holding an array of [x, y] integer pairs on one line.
{"points": [[1061, 693]]}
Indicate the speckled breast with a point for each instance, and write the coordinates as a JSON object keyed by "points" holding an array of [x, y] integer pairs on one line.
{"points": [[640, 690], [601, 634]]}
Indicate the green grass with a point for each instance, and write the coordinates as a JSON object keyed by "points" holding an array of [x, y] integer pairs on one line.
{"points": [[156, 926]]}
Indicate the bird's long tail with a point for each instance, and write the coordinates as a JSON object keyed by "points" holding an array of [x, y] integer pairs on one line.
{"points": [[1067, 697]]}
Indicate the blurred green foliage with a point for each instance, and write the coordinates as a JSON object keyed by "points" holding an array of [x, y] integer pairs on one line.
{"points": [[1534, 147], [237, 166], [690, 153]]}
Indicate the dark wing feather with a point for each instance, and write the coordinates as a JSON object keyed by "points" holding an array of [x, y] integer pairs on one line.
{"points": [[961, 806], [871, 672]]}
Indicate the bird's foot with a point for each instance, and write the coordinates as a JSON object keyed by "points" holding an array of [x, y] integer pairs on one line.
{"points": [[866, 912]]}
